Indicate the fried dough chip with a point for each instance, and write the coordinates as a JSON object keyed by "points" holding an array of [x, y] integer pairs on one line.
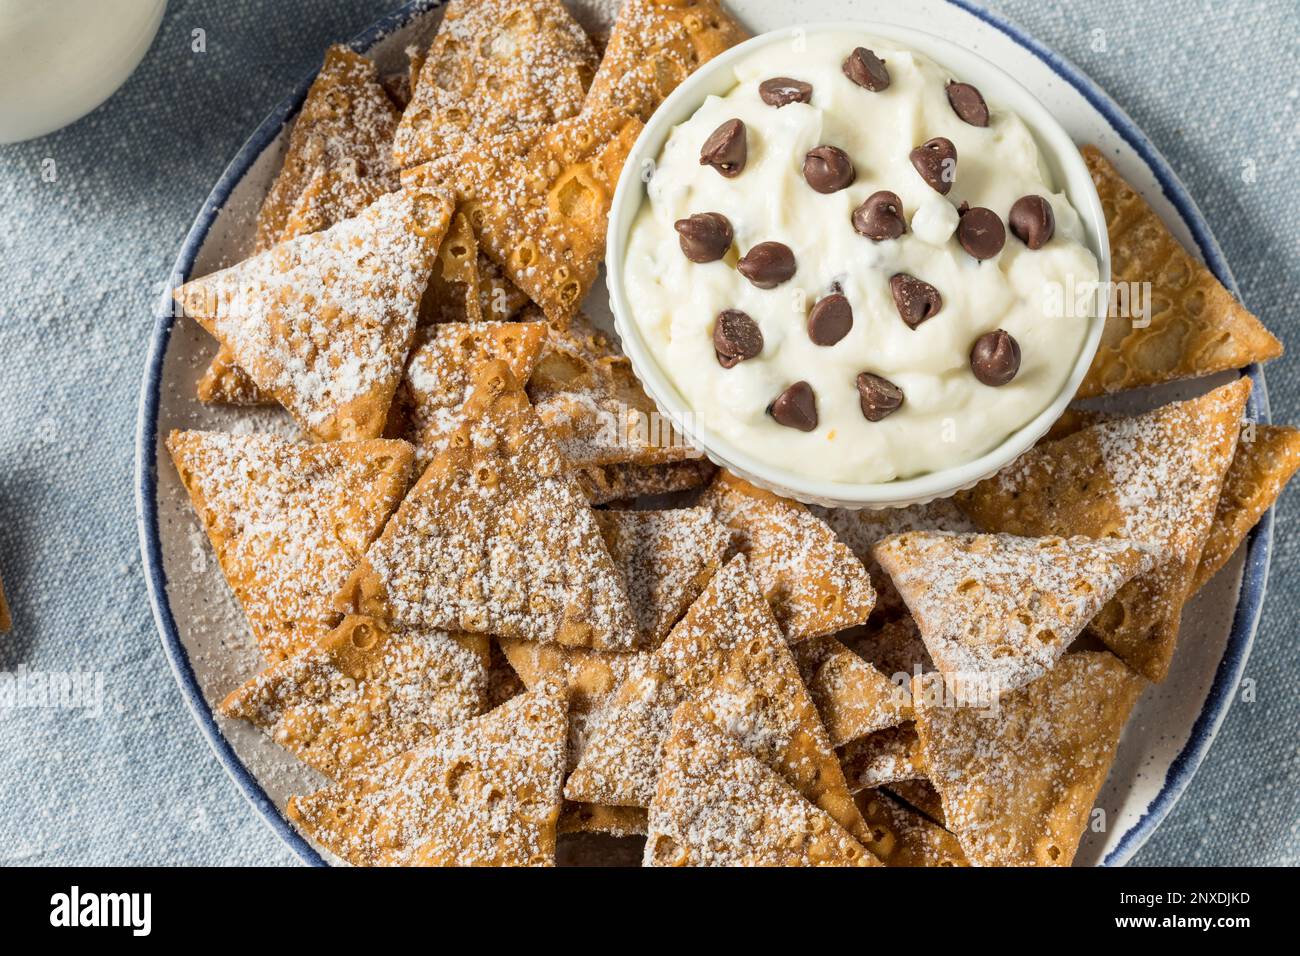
{"points": [[593, 818], [440, 374], [288, 521], [903, 837], [588, 395], [324, 322], [503, 682], [1154, 478], [485, 792], [1259, 471], [497, 68], [1017, 789], [605, 483], [1196, 326], [727, 654], [920, 796], [717, 805], [853, 698], [653, 47], [861, 529], [812, 580], [363, 695], [893, 647], [455, 291], [888, 756], [1001, 608], [496, 538]]}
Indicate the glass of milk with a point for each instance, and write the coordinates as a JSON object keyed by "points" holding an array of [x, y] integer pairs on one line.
{"points": [[59, 59]]}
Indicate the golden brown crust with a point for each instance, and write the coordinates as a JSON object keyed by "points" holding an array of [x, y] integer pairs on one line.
{"points": [[903, 837], [853, 698]]}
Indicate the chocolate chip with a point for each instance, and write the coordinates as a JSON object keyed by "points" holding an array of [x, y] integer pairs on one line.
{"points": [[705, 236], [880, 217], [936, 161], [878, 396], [995, 358], [916, 300], [768, 264], [867, 70], [726, 149], [782, 91], [736, 337], [981, 233], [828, 169], [968, 104], [1032, 221], [796, 407], [830, 319]]}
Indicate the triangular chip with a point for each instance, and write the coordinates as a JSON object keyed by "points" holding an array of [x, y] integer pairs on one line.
{"points": [[1154, 478], [586, 392], [1267, 457], [903, 837], [542, 215], [1018, 786], [455, 286], [920, 796], [485, 792], [499, 299], [363, 695], [612, 821], [813, 581], [503, 681], [441, 371], [861, 529], [716, 805], [888, 756], [1195, 327], [653, 47], [289, 521], [893, 647], [853, 698], [727, 654], [324, 322], [496, 538], [603, 484], [1000, 608], [496, 68]]}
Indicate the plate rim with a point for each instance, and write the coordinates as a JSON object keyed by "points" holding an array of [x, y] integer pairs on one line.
{"points": [[1254, 578]]}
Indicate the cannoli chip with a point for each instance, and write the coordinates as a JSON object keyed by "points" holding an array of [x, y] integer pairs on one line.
{"points": [[623, 482], [728, 655], [717, 805], [653, 47], [1001, 608], [594, 818], [1018, 787], [1195, 328], [440, 375], [920, 796], [496, 538], [853, 698], [363, 694], [485, 792], [813, 581], [1153, 478], [893, 647], [455, 292], [903, 837], [324, 322], [887, 756], [288, 521]]}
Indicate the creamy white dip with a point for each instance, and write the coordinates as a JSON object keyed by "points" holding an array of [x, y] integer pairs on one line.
{"points": [[948, 416]]}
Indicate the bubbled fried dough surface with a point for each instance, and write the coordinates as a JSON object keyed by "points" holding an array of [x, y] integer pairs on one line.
{"points": [[1017, 787], [485, 792], [288, 521], [813, 581], [653, 47], [1001, 608], [324, 322], [716, 805], [1196, 327], [1153, 478], [363, 694], [903, 837], [496, 68], [496, 538], [853, 697]]}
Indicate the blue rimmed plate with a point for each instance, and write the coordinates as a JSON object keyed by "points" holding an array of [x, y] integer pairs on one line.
{"points": [[202, 629]]}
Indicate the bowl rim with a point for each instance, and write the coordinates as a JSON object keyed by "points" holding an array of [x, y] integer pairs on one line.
{"points": [[1254, 580], [1058, 150]]}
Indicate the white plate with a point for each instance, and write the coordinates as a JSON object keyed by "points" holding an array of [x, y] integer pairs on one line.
{"points": [[203, 630]]}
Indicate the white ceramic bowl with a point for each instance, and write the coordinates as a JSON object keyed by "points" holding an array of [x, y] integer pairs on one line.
{"points": [[717, 77]]}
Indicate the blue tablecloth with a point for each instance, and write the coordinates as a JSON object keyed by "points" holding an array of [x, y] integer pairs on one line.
{"points": [[1215, 83]]}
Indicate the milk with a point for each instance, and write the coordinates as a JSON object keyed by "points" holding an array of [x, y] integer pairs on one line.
{"points": [[59, 59]]}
